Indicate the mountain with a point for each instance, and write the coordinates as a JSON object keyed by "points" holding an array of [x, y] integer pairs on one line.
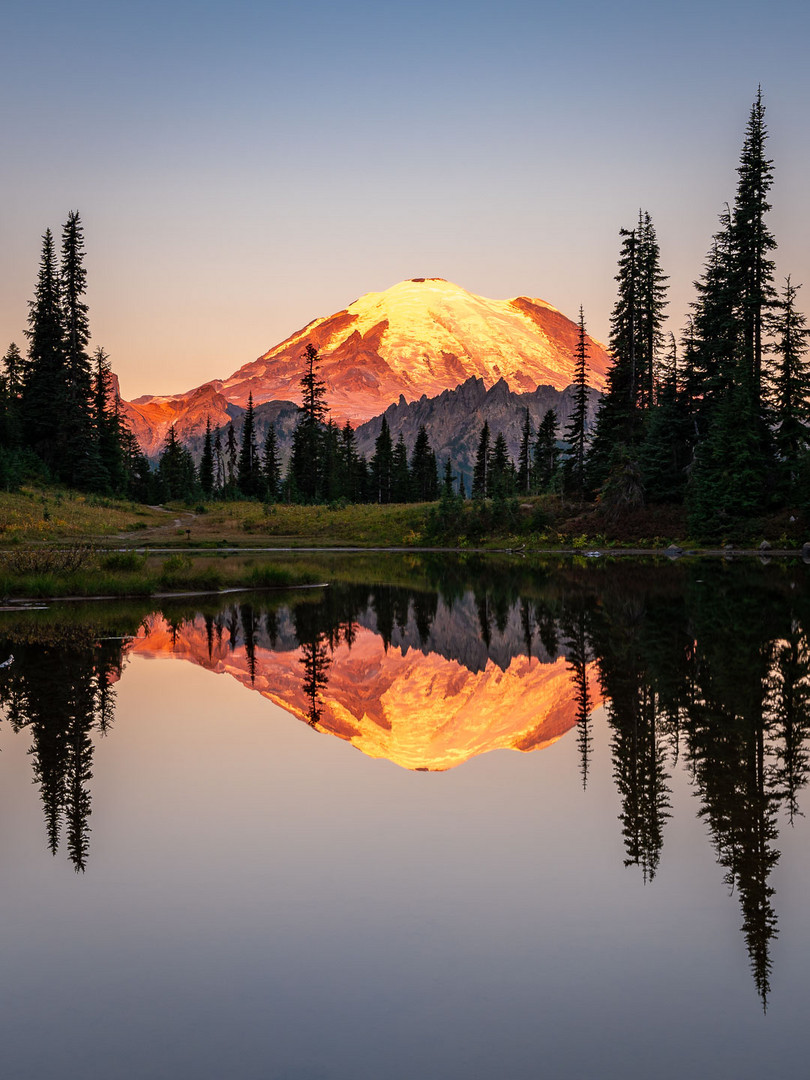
{"points": [[454, 419], [420, 337], [422, 706]]}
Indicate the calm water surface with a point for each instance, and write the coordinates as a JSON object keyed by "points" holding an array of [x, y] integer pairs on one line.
{"points": [[478, 820]]}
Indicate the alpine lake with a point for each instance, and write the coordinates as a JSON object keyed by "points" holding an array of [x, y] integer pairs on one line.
{"points": [[443, 817]]}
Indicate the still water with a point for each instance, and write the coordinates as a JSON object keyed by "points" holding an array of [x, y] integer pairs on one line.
{"points": [[471, 820]]}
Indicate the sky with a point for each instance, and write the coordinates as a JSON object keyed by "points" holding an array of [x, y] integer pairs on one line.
{"points": [[243, 168]]}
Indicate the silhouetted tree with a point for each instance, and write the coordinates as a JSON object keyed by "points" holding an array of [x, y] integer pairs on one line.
{"points": [[207, 461], [424, 473], [249, 476], [545, 453], [271, 464], [524, 472], [382, 465], [574, 464], [481, 480], [306, 459]]}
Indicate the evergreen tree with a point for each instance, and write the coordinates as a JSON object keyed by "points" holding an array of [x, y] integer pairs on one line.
{"points": [[524, 474], [447, 481], [501, 470], [753, 242], [616, 420], [176, 473], [790, 385], [219, 461], [574, 466], [11, 386], [652, 304], [382, 465], [401, 491], [331, 480], [139, 477], [306, 465], [249, 477], [79, 463], [207, 462], [635, 335], [545, 453], [716, 331], [666, 448], [45, 376], [353, 467], [729, 484], [424, 471], [271, 464], [106, 423], [481, 481], [231, 458]]}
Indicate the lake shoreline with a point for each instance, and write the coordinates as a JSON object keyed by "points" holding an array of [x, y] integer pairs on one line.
{"points": [[137, 573]]}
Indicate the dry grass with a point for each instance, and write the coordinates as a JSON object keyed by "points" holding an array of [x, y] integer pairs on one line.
{"points": [[251, 523], [48, 514]]}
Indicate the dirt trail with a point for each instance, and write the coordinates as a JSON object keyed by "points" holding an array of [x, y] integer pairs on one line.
{"points": [[160, 532]]}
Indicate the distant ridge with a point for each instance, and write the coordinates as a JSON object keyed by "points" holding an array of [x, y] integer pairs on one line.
{"points": [[452, 419]]}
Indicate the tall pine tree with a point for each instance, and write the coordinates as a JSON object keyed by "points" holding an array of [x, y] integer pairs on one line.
{"points": [[790, 386], [45, 377], [524, 473], [574, 466], [249, 477], [306, 460], [207, 461], [753, 242], [271, 464], [79, 464], [481, 479]]}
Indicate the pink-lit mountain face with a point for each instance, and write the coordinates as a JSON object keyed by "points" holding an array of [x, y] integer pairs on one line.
{"points": [[418, 709], [419, 337]]}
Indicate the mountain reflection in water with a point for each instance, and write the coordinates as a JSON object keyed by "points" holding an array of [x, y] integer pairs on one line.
{"points": [[699, 666]]}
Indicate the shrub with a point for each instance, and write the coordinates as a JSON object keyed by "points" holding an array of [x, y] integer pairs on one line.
{"points": [[123, 560], [45, 560]]}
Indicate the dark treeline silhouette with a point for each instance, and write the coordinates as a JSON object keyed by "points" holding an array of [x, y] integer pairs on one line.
{"points": [[718, 424], [60, 414], [721, 428], [325, 465], [707, 666]]}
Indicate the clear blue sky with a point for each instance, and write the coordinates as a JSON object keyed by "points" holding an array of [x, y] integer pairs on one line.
{"points": [[242, 168]]}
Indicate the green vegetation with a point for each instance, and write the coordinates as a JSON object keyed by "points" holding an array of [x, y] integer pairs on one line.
{"points": [[37, 513], [82, 569]]}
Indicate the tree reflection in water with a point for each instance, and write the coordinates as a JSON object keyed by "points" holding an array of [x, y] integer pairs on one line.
{"points": [[696, 662], [60, 689]]}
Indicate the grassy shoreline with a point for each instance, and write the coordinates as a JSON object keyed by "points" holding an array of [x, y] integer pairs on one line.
{"points": [[56, 543]]}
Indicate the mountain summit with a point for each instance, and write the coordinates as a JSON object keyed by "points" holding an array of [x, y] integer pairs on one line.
{"points": [[419, 337]]}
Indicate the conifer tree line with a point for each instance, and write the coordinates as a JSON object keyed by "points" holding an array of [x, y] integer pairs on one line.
{"points": [[325, 465], [60, 416], [717, 422], [543, 464]]}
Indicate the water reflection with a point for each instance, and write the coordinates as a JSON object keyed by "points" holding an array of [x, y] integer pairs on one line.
{"points": [[60, 687], [706, 668]]}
